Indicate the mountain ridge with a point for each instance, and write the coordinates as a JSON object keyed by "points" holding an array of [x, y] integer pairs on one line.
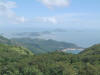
{"points": [[37, 46]]}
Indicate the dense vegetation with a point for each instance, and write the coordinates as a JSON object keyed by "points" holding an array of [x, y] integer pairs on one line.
{"points": [[94, 50], [19, 61]]}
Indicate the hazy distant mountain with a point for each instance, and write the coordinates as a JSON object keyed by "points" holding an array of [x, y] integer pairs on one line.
{"points": [[4, 40], [43, 46], [59, 30], [33, 34], [37, 45], [30, 34]]}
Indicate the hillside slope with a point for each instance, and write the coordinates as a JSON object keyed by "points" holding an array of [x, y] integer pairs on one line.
{"points": [[94, 50], [14, 50], [37, 45], [43, 46], [4, 40], [91, 55], [15, 61]]}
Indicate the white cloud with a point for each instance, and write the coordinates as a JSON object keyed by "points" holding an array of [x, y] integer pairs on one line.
{"points": [[55, 3], [7, 13], [62, 19], [18, 20], [52, 20]]}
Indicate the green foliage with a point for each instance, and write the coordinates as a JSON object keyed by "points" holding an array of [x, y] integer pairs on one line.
{"points": [[16, 60], [94, 50], [91, 54]]}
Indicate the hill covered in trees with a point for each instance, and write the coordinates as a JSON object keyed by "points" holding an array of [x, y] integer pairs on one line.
{"points": [[38, 46], [19, 61], [43, 46], [94, 50], [4, 40]]}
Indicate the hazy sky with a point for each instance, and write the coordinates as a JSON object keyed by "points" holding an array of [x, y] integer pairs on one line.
{"points": [[50, 13]]}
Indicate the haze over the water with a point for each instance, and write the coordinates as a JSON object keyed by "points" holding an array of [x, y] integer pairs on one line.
{"points": [[81, 19]]}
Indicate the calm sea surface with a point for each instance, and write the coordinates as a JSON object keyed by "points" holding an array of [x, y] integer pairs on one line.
{"points": [[81, 38], [73, 52]]}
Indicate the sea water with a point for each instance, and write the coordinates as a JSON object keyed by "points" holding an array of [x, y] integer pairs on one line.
{"points": [[73, 51], [81, 38]]}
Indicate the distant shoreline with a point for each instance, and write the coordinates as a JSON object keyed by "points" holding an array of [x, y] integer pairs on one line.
{"points": [[72, 49]]}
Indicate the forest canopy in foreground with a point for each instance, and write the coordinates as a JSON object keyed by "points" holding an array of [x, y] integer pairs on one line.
{"points": [[20, 61]]}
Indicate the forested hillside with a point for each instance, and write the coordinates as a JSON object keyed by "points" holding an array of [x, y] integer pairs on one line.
{"points": [[94, 50], [19, 61], [43, 46], [37, 46], [4, 40]]}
